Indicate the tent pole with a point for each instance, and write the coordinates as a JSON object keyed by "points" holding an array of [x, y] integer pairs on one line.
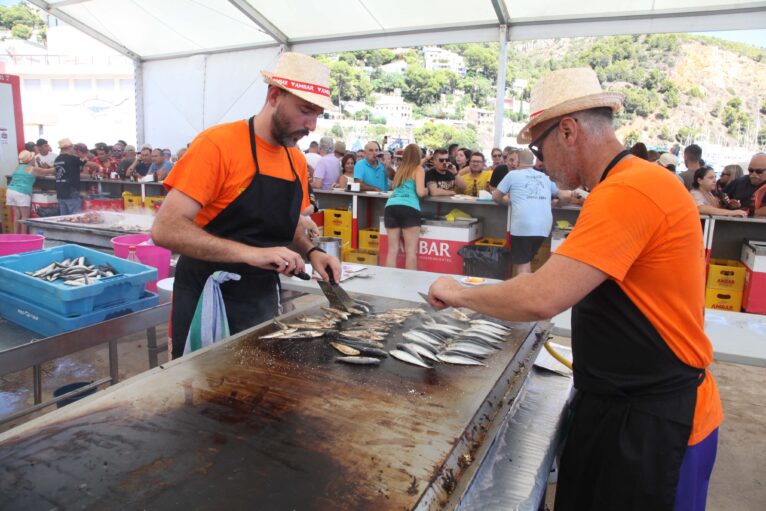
{"points": [[500, 90], [138, 77]]}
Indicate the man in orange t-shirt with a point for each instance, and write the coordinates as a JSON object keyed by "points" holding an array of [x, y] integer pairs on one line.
{"points": [[645, 417], [235, 198]]}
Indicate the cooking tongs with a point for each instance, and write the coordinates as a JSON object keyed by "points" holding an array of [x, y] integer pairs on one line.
{"points": [[337, 297]]}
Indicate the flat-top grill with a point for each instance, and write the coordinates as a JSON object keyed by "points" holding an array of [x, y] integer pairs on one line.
{"points": [[270, 424]]}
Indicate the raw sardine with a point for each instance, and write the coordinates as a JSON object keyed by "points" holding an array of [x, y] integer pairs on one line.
{"points": [[408, 358]]}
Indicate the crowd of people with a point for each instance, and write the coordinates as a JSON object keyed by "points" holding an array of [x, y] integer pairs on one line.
{"points": [[458, 170], [74, 162]]}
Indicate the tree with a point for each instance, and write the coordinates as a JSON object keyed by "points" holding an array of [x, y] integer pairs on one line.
{"points": [[351, 82], [762, 137], [735, 118], [336, 131], [437, 135], [481, 60], [19, 14], [388, 82], [21, 32], [631, 138], [424, 87]]}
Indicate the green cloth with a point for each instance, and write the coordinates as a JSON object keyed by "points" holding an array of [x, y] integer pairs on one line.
{"points": [[209, 323]]}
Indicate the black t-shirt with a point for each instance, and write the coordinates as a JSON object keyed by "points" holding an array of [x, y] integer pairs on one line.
{"points": [[142, 168], [497, 175], [444, 181], [68, 170], [741, 189]]}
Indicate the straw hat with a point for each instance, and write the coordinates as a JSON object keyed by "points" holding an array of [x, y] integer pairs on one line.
{"points": [[340, 147], [563, 92], [303, 76], [26, 156], [668, 159], [64, 143]]}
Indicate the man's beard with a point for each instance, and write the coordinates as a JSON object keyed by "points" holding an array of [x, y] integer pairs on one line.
{"points": [[279, 127]]}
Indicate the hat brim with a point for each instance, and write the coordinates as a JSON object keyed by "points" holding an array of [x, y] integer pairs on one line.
{"points": [[612, 100], [316, 99]]}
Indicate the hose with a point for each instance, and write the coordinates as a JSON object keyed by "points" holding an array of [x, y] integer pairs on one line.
{"points": [[555, 354]]}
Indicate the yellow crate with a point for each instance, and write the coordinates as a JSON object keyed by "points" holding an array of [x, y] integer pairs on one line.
{"points": [[343, 234], [726, 274], [369, 238], [149, 202], [132, 201], [361, 256], [723, 299], [2, 194], [491, 242], [337, 219]]}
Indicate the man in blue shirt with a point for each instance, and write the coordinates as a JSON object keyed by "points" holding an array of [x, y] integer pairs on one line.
{"points": [[370, 172], [160, 166], [530, 192]]}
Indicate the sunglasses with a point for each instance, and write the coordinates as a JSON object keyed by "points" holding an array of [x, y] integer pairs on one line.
{"points": [[497, 155], [725, 174], [756, 171], [443, 160], [537, 145]]}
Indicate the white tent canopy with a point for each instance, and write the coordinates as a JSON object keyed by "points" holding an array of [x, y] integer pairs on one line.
{"points": [[198, 61]]}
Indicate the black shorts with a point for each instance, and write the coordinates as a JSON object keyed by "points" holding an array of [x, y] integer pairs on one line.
{"points": [[401, 217], [524, 248]]}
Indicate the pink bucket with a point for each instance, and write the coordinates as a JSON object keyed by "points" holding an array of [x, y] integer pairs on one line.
{"points": [[149, 255], [16, 243]]}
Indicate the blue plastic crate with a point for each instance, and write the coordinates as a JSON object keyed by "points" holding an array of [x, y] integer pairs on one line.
{"points": [[65, 300], [47, 323]]}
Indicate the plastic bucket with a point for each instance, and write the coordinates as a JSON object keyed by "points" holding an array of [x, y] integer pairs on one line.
{"points": [[150, 255], [69, 388], [165, 289], [17, 243]]}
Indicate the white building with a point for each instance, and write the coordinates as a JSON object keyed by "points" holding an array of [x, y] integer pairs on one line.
{"points": [[481, 118], [397, 67], [393, 108], [75, 88], [438, 58]]}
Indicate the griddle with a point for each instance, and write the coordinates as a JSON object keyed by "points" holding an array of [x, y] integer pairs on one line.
{"points": [[270, 424]]}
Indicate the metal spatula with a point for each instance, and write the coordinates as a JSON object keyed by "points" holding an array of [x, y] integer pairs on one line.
{"points": [[337, 297]]}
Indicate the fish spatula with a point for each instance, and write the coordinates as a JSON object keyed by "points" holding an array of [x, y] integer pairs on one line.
{"points": [[337, 297]]}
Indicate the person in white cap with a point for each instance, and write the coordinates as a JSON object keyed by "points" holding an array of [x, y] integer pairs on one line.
{"points": [[235, 198], [646, 413]]}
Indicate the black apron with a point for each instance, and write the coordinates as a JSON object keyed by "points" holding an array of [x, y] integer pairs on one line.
{"points": [[265, 214], [633, 411]]}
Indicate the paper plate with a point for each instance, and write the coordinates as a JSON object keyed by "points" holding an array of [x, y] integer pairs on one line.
{"points": [[473, 281]]}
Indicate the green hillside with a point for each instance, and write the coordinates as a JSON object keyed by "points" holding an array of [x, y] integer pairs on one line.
{"points": [[677, 87]]}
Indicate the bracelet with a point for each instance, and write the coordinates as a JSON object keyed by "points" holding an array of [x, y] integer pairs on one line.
{"points": [[312, 249]]}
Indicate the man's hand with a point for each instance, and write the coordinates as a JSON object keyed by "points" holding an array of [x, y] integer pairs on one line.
{"points": [[280, 259], [320, 261], [444, 293]]}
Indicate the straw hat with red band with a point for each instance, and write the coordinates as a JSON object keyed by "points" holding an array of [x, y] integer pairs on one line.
{"points": [[564, 92], [303, 76]]}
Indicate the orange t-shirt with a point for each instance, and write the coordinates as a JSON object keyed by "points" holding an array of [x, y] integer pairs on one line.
{"points": [[219, 166], [641, 227]]}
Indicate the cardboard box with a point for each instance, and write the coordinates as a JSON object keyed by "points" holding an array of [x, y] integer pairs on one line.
{"points": [[153, 203], [438, 245], [360, 256], [754, 292], [337, 219], [343, 234], [369, 239], [723, 299], [753, 255], [491, 242], [132, 201], [102, 205], [726, 274]]}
